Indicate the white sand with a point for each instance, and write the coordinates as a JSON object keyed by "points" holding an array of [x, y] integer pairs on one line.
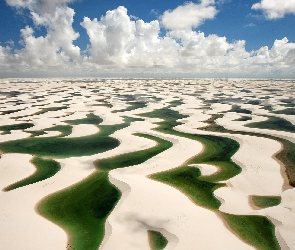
{"points": [[261, 175], [83, 130], [283, 217], [14, 135], [206, 169], [25, 225], [14, 167], [50, 134], [239, 126], [147, 204]]}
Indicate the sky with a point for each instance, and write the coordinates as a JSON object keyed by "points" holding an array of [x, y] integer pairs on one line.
{"points": [[154, 38]]}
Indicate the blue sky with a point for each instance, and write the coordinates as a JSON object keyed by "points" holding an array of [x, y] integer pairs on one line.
{"points": [[196, 38]]}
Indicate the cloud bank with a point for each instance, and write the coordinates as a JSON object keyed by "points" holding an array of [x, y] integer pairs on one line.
{"points": [[121, 46]]}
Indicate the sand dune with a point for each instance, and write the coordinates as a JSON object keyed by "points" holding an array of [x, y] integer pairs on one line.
{"points": [[43, 108]]}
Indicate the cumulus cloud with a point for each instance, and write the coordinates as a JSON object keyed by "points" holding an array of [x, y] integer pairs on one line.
{"points": [[121, 45], [274, 9], [115, 39], [57, 18], [281, 54], [189, 15]]}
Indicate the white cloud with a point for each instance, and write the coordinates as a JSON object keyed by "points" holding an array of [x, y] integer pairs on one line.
{"points": [[38, 51], [115, 39], [197, 45], [274, 9], [57, 18], [3, 55], [189, 15], [42, 6], [121, 45], [279, 56]]}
